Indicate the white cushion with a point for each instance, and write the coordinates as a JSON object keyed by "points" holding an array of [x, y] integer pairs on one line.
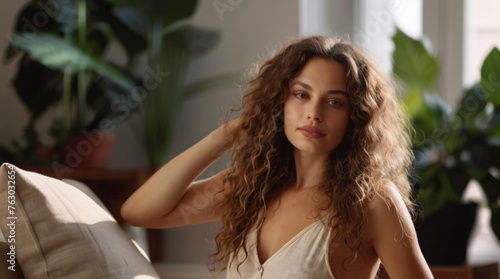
{"points": [[60, 232]]}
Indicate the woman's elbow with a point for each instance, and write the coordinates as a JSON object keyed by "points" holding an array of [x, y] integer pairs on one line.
{"points": [[129, 214]]}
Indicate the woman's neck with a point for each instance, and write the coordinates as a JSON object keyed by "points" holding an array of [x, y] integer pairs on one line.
{"points": [[310, 169]]}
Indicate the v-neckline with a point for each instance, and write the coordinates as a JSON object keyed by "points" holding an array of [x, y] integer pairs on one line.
{"points": [[284, 246]]}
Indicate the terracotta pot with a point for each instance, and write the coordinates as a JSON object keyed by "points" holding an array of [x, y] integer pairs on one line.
{"points": [[87, 150]]}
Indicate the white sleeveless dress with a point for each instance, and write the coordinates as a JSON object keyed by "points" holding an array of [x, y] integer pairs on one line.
{"points": [[304, 256]]}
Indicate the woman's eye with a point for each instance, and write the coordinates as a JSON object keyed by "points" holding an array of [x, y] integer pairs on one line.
{"points": [[334, 103], [300, 95]]}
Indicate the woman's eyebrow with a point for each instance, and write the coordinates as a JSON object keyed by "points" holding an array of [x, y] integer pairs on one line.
{"points": [[305, 85], [308, 87]]}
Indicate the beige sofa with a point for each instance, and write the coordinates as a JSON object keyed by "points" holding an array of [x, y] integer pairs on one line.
{"points": [[51, 228]]}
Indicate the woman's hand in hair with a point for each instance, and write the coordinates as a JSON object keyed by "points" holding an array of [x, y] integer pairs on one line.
{"points": [[232, 131]]}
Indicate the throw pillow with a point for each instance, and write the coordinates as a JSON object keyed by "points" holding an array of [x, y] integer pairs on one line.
{"points": [[60, 232]]}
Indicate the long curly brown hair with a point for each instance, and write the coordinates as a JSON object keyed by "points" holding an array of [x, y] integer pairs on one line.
{"points": [[374, 152]]}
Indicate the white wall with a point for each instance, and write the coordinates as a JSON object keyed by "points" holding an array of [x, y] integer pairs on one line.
{"points": [[330, 17]]}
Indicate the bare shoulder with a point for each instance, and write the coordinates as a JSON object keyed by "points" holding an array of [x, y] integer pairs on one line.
{"points": [[387, 202], [392, 235], [387, 213]]}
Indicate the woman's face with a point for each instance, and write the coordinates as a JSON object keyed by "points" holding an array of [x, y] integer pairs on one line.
{"points": [[316, 113]]}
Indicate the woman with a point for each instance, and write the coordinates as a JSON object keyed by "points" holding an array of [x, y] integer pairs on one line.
{"points": [[318, 183]]}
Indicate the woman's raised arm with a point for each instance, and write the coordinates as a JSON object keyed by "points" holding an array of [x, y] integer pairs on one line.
{"points": [[170, 198]]}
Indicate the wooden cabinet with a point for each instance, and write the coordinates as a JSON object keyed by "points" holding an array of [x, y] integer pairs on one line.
{"points": [[487, 271]]}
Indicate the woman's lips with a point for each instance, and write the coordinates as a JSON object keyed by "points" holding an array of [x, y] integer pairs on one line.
{"points": [[311, 132]]}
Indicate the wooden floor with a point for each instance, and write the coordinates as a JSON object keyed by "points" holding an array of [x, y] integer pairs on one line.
{"points": [[486, 271]]}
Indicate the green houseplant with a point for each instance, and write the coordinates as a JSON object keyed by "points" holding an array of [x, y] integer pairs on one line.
{"points": [[59, 59], [452, 145], [60, 46], [171, 43]]}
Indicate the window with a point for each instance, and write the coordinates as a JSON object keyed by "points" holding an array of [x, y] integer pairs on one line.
{"points": [[485, 34]]}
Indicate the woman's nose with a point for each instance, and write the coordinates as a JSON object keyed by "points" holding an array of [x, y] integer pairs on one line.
{"points": [[314, 111]]}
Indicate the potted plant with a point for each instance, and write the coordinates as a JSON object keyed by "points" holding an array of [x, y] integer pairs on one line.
{"points": [[452, 146], [60, 48], [60, 58]]}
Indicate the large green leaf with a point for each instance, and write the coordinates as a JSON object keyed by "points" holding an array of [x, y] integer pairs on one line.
{"points": [[417, 70], [27, 27], [490, 76], [438, 105], [158, 112], [480, 152], [430, 116], [210, 83], [55, 53], [436, 194], [145, 13], [471, 108], [37, 86], [109, 100], [494, 134], [65, 12], [162, 104], [413, 64], [172, 10], [107, 19]]}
